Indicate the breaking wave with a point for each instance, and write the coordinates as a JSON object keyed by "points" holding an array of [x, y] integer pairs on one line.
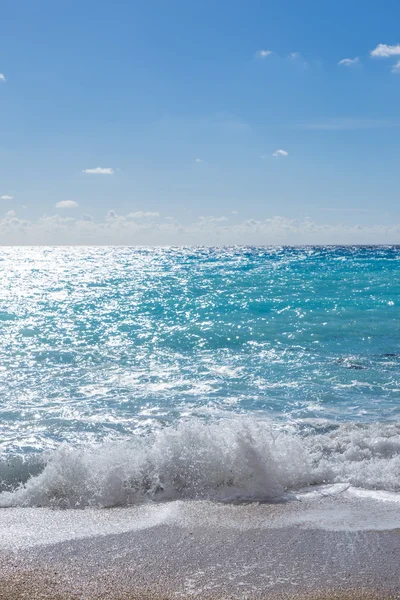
{"points": [[234, 459]]}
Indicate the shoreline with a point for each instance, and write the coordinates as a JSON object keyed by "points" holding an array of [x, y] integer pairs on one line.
{"points": [[320, 549]]}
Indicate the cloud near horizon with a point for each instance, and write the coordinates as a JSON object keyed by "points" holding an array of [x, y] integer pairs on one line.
{"points": [[117, 229], [99, 171], [140, 214], [67, 204]]}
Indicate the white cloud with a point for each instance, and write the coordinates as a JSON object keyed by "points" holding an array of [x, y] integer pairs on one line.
{"points": [[296, 58], [212, 219], [349, 62], [67, 204], [2, 78], [385, 51], [140, 214], [396, 67], [263, 53], [199, 160], [208, 230], [280, 153], [99, 171], [6, 197]]}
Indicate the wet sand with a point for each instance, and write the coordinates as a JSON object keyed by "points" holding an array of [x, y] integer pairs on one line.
{"points": [[203, 550]]}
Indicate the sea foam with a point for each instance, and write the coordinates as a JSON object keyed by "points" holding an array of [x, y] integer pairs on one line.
{"points": [[233, 459]]}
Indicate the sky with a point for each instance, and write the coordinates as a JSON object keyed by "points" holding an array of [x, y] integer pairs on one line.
{"points": [[183, 122]]}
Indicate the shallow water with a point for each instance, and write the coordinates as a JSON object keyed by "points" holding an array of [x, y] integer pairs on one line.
{"points": [[201, 372]]}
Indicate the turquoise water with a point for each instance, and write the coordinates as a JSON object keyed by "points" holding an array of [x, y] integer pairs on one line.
{"points": [[105, 344]]}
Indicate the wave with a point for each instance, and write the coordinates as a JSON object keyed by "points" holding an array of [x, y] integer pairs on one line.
{"points": [[234, 459]]}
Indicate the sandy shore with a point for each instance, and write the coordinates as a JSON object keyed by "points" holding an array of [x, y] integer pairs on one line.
{"points": [[203, 550]]}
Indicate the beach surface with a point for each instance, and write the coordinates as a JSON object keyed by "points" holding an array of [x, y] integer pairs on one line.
{"points": [[333, 544]]}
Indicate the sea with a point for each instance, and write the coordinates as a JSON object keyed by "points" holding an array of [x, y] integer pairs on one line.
{"points": [[133, 375]]}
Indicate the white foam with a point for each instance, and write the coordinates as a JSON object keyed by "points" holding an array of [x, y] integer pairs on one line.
{"points": [[238, 458], [329, 509]]}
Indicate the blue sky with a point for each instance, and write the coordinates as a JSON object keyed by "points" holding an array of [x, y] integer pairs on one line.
{"points": [[182, 105]]}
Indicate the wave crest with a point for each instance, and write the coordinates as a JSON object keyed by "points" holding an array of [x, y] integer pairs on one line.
{"points": [[234, 459]]}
